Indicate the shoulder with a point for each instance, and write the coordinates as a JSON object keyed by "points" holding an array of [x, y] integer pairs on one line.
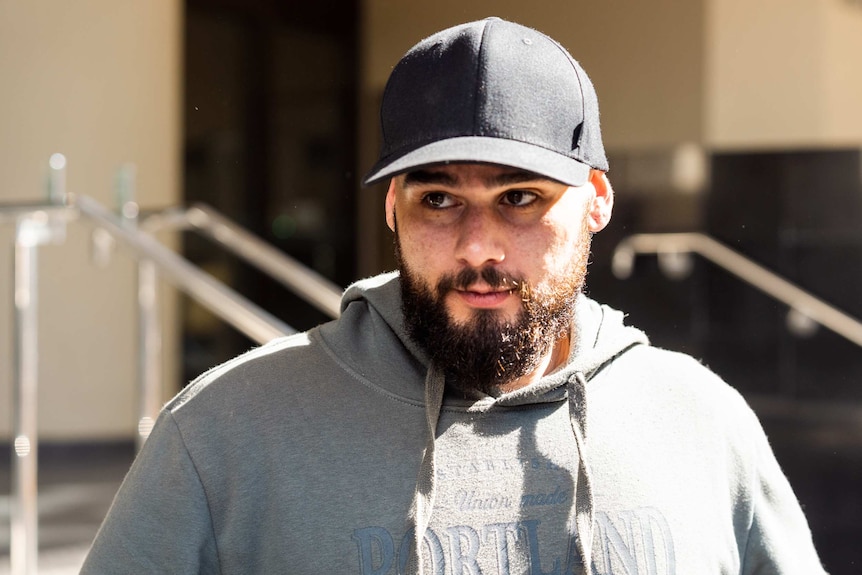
{"points": [[669, 369], [677, 385], [670, 403], [232, 407], [260, 367]]}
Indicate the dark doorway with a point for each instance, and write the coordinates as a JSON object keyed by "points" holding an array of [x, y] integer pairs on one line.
{"points": [[269, 134]]}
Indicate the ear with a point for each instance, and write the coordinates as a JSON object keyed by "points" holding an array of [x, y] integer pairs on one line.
{"points": [[390, 205], [602, 203]]}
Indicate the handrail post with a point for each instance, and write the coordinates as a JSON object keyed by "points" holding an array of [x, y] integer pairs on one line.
{"points": [[31, 231], [25, 516], [149, 349], [149, 325]]}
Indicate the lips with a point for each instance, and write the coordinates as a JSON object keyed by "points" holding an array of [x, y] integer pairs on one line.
{"points": [[483, 297]]}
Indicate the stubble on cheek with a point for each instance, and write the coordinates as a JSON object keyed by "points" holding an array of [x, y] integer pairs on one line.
{"points": [[485, 351]]}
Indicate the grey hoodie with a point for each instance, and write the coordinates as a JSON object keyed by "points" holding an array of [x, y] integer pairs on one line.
{"points": [[328, 451]]}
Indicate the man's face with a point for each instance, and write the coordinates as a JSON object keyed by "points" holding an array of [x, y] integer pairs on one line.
{"points": [[492, 259]]}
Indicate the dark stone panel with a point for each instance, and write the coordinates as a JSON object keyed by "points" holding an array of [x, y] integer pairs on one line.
{"points": [[826, 365], [796, 213], [821, 192], [742, 208], [666, 310]]}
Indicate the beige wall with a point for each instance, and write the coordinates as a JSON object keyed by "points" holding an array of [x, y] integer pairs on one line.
{"points": [[842, 62], [721, 73], [783, 73], [99, 81], [645, 58]]}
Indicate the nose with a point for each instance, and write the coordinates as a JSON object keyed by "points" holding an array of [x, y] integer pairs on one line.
{"points": [[480, 240]]}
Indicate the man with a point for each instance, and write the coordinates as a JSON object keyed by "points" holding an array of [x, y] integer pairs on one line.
{"points": [[476, 407]]}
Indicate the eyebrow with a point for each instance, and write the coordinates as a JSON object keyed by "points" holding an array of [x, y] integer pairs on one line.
{"points": [[419, 177]]}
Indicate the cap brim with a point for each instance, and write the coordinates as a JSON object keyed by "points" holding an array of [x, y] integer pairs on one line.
{"points": [[486, 150]]}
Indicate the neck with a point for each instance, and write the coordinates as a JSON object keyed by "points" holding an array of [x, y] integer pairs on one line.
{"points": [[556, 356]]}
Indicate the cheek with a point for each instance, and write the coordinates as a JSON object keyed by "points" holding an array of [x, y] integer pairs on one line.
{"points": [[423, 253], [564, 248], [416, 238], [421, 244]]}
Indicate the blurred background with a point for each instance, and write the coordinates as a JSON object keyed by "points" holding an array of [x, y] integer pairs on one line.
{"points": [[739, 119]]}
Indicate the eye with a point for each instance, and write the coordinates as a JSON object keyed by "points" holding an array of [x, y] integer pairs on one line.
{"points": [[519, 198], [438, 200]]}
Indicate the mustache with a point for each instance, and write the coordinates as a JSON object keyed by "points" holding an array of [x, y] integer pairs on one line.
{"points": [[495, 278]]}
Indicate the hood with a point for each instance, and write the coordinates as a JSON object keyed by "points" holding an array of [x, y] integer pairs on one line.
{"points": [[601, 337], [372, 308]]}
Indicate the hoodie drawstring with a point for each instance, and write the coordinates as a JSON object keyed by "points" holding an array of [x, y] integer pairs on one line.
{"points": [[423, 498], [581, 517]]}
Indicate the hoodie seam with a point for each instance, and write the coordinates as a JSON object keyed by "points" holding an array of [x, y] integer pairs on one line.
{"points": [[753, 488], [206, 494], [588, 376], [477, 88], [419, 404]]}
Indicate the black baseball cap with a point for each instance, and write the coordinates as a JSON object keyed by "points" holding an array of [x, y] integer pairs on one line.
{"points": [[493, 92]]}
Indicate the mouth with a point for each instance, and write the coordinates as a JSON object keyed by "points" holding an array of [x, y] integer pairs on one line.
{"points": [[483, 296]]}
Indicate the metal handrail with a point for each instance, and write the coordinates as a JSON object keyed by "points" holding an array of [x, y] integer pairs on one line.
{"points": [[41, 223], [247, 317], [311, 286], [800, 301], [308, 284]]}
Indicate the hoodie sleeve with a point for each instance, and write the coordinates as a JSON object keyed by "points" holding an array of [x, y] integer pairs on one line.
{"points": [[779, 539], [161, 496]]}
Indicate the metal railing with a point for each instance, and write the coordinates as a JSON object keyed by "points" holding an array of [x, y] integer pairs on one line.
{"points": [[42, 223], [674, 249], [247, 317], [306, 283]]}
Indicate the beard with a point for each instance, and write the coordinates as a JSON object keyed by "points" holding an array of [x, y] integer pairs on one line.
{"points": [[488, 351]]}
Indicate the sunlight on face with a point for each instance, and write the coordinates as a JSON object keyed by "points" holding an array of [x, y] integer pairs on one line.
{"points": [[491, 267]]}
